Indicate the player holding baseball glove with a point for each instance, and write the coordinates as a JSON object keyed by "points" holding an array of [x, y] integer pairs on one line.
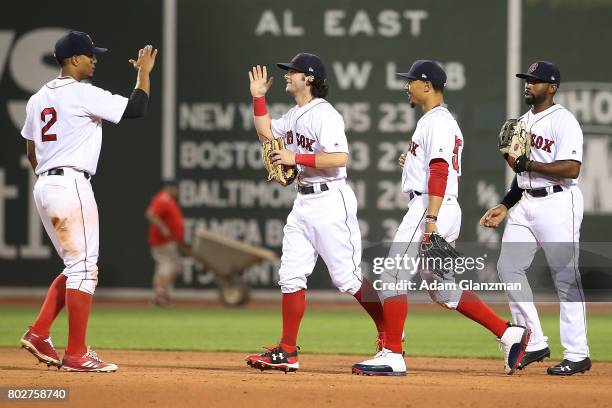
{"points": [[544, 148], [515, 144], [323, 220], [430, 178], [281, 173]]}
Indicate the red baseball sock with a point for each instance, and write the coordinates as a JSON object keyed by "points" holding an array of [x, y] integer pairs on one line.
{"points": [[473, 307], [53, 304], [293, 308], [79, 305], [395, 312], [369, 300]]}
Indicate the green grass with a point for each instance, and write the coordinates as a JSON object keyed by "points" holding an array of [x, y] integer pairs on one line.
{"points": [[429, 333]]}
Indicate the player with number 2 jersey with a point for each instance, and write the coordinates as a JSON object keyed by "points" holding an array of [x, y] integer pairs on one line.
{"points": [[63, 132]]}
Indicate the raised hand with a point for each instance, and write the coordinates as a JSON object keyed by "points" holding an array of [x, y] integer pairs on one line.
{"points": [[259, 81], [146, 59]]}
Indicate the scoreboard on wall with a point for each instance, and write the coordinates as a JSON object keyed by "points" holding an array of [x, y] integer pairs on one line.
{"points": [[215, 151], [363, 46]]}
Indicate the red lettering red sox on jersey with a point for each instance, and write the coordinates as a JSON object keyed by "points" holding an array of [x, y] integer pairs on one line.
{"points": [[563, 142], [412, 148], [289, 138], [303, 141], [541, 143]]}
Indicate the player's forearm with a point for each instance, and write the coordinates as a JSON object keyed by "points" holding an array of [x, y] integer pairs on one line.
{"points": [[261, 119], [263, 126], [137, 104], [513, 195], [436, 188], [143, 81], [328, 160], [322, 160], [433, 205], [33, 163], [561, 168], [31, 153]]}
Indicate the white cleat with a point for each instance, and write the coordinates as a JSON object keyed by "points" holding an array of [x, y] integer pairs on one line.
{"points": [[513, 343], [385, 362]]}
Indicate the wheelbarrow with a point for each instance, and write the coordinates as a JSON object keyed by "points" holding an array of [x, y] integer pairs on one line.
{"points": [[227, 259]]}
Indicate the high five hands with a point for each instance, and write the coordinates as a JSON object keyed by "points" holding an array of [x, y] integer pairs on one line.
{"points": [[259, 81], [146, 59]]}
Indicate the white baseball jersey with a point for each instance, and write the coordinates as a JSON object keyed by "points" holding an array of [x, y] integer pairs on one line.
{"points": [[323, 223], [64, 119], [555, 135], [313, 128], [437, 135]]}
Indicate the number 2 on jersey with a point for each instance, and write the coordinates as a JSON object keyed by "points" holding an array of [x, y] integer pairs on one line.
{"points": [[43, 115], [458, 144]]}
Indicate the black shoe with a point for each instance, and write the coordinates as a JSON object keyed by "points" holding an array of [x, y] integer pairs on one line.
{"points": [[274, 359], [567, 367], [533, 356]]}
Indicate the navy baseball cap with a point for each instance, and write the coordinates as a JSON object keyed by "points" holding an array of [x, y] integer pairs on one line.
{"points": [[76, 43], [543, 71], [307, 63], [426, 70]]}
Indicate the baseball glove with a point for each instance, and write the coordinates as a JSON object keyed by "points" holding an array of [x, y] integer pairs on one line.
{"points": [[514, 141], [439, 256], [282, 174]]}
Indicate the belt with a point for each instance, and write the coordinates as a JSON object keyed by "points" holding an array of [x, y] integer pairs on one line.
{"points": [[60, 172], [413, 194], [311, 189], [543, 192]]}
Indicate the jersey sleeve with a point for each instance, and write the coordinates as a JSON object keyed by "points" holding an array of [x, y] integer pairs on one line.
{"points": [[280, 126], [440, 142], [332, 138], [102, 104], [569, 139], [27, 132]]}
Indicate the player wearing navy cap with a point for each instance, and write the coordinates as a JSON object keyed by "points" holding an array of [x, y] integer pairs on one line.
{"points": [[63, 132], [547, 213], [323, 220], [430, 179], [542, 72]]}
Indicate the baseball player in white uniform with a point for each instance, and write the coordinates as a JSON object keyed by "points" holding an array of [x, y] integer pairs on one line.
{"points": [[548, 216], [63, 132], [430, 178], [323, 220]]}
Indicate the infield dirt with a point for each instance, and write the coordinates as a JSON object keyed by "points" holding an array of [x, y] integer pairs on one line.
{"points": [[185, 379]]}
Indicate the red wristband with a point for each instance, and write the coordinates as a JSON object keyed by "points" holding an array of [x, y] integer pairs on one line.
{"points": [[259, 106], [307, 160]]}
